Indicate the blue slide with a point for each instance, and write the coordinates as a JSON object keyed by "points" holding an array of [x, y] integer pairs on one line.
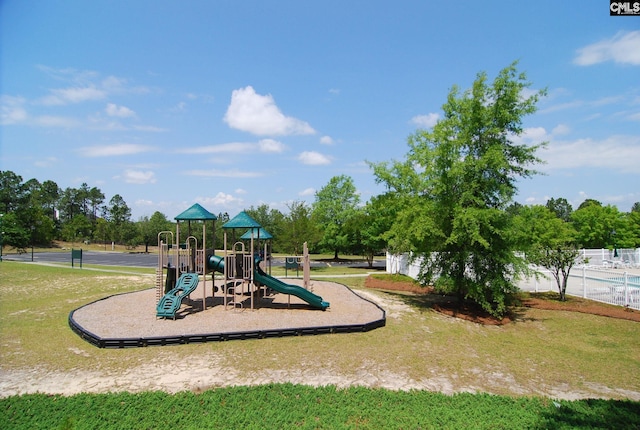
{"points": [[170, 303], [217, 263]]}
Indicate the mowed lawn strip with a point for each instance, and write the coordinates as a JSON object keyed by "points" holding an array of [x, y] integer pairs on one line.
{"points": [[298, 406]]}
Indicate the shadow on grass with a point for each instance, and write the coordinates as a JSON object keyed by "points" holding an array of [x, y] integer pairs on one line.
{"points": [[593, 413], [450, 305]]}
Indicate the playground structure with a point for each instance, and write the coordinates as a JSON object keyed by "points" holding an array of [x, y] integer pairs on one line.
{"points": [[180, 266]]}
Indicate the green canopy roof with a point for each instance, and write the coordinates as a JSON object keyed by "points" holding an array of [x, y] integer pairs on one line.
{"points": [[257, 233], [242, 220], [196, 213]]}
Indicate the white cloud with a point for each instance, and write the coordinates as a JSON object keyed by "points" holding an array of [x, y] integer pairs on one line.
{"points": [[620, 153], [113, 83], [264, 146], [46, 162], [426, 121], [220, 199], [271, 146], [326, 140], [63, 96], [259, 115], [179, 108], [119, 111], [623, 48], [561, 129], [149, 128], [307, 192], [240, 191], [55, 121], [562, 106], [235, 173], [534, 134], [530, 136], [77, 77], [12, 110], [144, 202], [114, 150], [313, 158], [223, 148], [139, 177]]}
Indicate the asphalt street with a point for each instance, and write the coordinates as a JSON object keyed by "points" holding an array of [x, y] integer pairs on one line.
{"points": [[89, 257], [140, 259]]}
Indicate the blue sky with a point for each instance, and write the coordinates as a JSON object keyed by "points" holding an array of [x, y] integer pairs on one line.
{"points": [[234, 104]]}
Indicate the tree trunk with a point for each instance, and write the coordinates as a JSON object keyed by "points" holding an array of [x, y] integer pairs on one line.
{"points": [[370, 260], [335, 255]]}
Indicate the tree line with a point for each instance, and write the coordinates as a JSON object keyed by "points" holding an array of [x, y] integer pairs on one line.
{"points": [[451, 200], [38, 213]]}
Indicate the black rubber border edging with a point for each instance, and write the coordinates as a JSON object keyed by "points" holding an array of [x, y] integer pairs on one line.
{"points": [[133, 342]]}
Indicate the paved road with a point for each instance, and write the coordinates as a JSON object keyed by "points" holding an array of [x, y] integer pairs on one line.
{"points": [[89, 257], [138, 260]]}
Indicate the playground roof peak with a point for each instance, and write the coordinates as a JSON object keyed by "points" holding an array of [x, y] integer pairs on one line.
{"points": [[257, 233], [196, 213], [242, 220]]}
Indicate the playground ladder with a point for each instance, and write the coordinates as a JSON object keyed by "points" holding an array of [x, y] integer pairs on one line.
{"points": [[158, 284]]}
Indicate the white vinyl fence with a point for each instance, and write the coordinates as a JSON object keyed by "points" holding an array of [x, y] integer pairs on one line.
{"points": [[606, 278], [616, 287]]}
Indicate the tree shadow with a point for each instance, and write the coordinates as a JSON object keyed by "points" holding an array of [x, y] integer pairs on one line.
{"points": [[592, 413], [467, 310]]}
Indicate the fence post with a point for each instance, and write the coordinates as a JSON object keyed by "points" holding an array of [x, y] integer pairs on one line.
{"points": [[584, 282], [626, 289]]}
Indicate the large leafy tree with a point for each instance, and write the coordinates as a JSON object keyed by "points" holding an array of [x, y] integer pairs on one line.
{"points": [[456, 184], [335, 203], [77, 229], [298, 228], [369, 227], [561, 207], [148, 228], [270, 219], [633, 220], [600, 226]]}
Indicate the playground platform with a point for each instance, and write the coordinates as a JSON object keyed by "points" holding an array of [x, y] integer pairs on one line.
{"points": [[129, 320]]}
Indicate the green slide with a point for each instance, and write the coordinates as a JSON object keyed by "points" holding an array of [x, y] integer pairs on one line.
{"points": [[217, 263], [170, 302]]}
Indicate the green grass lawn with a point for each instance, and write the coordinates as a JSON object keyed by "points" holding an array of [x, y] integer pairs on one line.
{"points": [[288, 406], [541, 353]]}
